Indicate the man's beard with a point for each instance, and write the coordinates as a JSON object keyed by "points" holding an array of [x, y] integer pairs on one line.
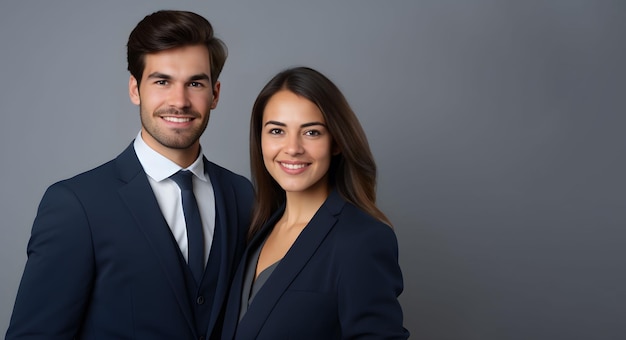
{"points": [[174, 138]]}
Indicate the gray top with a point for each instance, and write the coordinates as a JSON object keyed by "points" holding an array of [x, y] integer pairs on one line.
{"points": [[251, 286]]}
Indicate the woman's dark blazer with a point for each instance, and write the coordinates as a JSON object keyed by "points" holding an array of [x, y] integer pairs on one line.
{"points": [[339, 280]]}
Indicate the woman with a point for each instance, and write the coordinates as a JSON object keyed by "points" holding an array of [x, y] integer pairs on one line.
{"points": [[322, 262]]}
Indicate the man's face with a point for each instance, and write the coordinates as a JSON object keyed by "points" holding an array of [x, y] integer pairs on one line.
{"points": [[175, 99]]}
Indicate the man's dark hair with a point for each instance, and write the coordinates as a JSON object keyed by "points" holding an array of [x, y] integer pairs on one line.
{"points": [[168, 29]]}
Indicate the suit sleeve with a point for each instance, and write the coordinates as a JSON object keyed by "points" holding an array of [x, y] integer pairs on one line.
{"points": [[57, 280], [369, 285]]}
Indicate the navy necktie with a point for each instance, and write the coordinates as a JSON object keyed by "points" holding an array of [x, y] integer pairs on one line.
{"points": [[195, 238]]}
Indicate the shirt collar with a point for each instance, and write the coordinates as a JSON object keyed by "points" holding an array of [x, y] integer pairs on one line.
{"points": [[158, 167]]}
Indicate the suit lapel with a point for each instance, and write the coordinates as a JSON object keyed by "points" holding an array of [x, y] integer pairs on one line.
{"points": [[290, 266], [137, 194], [231, 317], [227, 222]]}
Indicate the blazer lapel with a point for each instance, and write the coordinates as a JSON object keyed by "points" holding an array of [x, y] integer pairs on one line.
{"points": [[231, 318], [137, 194], [292, 263], [227, 222]]}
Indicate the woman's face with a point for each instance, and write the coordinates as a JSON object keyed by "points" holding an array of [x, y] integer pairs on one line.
{"points": [[296, 145]]}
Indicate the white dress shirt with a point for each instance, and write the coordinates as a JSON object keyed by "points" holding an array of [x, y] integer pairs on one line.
{"points": [[159, 169]]}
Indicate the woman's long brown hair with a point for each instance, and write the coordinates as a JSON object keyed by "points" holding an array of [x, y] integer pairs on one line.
{"points": [[352, 172]]}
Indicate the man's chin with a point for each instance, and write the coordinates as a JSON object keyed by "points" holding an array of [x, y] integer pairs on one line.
{"points": [[184, 145], [180, 143]]}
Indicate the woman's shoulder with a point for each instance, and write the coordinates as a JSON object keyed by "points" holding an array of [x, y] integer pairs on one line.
{"points": [[361, 225]]}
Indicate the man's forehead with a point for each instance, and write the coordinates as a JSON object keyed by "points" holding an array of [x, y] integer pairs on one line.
{"points": [[176, 68]]}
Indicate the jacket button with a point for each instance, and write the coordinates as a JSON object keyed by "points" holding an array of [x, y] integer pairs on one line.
{"points": [[200, 300]]}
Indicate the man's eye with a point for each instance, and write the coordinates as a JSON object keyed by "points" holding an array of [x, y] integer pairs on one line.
{"points": [[195, 84], [161, 82]]}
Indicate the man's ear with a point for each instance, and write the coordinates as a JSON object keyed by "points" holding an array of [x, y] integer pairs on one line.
{"points": [[133, 91], [216, 94]]}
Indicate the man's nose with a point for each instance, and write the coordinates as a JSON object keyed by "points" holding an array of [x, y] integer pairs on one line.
{"points": [[179, 97]]}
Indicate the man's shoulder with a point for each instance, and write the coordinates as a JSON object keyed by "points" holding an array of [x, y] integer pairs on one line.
{"points": [[226, 180], [223, 173], [94, 175], [104, 173]]}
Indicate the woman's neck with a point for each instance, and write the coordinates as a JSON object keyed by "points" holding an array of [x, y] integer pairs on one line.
{"points": [[301, 206]]}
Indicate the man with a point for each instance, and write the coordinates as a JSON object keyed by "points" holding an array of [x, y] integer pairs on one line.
{"points": [[112, 253]]}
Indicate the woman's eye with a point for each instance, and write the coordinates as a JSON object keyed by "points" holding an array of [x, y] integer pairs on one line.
{"points": [[312, 133], [275, 131]]}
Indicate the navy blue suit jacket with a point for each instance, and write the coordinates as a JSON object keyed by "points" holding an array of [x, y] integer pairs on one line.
{"points": [[339, 280], [103, 264]]}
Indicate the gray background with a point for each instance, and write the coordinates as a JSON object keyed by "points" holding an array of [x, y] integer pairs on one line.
{"points": [[497, 127]]}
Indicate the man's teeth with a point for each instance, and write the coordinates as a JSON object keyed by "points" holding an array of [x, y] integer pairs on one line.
{"points": [[177, 119], [293, 166]]}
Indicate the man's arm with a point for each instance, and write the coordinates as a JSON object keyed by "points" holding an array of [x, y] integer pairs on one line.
{"points": [[58, 276]]}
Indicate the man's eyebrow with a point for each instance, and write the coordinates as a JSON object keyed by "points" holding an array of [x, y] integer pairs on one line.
{"points": [[195, 77], [158, 75], [201, 76]]}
